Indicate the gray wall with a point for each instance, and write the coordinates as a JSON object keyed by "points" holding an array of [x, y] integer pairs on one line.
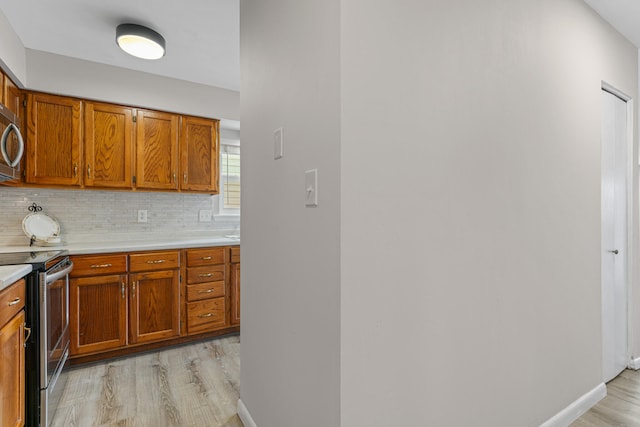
{"points": [[70, 76], [290, 290], [468, 223], [12, 53], [484, 308]]}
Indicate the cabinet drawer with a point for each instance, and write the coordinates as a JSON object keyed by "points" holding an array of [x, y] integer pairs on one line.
{"points": [[235, 254], [205, 274], [11, 301], [208, 256], [205, 291], [98, 264], [205, 315], [154, 261]]}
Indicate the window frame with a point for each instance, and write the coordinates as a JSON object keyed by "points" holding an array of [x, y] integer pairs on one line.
{"points": [[221, 211]]}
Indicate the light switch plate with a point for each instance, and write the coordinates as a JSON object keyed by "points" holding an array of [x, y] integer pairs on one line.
{"points": [[311, 187], [278, 143]]}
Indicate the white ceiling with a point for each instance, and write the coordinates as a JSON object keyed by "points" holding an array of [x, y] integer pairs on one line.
{"points": [[202, 35], [624, 15]]}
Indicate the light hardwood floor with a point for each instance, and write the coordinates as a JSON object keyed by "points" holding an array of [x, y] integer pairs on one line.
{"points": [[193, 385], [620, 408]]}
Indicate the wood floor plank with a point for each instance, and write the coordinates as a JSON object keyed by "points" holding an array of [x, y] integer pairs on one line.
{"points": [[621, 406], [188, 386]]}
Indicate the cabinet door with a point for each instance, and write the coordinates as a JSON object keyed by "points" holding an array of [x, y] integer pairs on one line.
{"points": [[12, 372], [53, 140], [154, 306], [98, 313], [199, 154], [108, 145], [156, 150], [12, 98], [235, 294]]}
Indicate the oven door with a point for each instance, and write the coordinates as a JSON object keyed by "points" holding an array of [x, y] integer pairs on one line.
{"points": [[54, 336]]}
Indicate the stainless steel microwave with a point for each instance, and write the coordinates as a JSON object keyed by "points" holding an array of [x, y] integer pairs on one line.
{"points": [[11, 145]]}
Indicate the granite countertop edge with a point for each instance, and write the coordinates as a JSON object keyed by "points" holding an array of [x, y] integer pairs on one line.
{"points": [[84, 248], [9, 274]]}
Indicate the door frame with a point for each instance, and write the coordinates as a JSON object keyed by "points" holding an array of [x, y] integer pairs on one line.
{"points": [[629, 173]]}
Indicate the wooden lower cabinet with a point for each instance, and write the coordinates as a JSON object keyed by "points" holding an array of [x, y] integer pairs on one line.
{"points": [[98, 313], [207, 295], [128, 302], [12, 362], [235, 293], [154, 312]]}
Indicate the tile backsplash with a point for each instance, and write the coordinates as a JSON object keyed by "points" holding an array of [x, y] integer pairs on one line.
{"points": [[109, 215]]}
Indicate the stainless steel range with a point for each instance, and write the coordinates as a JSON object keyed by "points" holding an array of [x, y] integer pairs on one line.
{"points": [[47, 314]]}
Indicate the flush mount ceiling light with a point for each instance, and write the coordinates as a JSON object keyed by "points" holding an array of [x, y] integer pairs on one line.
{"points": [[140, 41]]}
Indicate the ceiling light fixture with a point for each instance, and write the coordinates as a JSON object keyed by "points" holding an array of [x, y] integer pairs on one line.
{"points": [[139, 41]]}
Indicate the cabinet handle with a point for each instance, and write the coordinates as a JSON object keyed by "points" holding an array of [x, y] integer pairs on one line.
{"points": [[75, 169], [133, 293], [206, 315], [157, 261], [206, 258], [122, 289], [206, 275], [208, 291], [184, 177], [14, 302], [174, 177], [28, 331], [89, 171], [101, 265]]}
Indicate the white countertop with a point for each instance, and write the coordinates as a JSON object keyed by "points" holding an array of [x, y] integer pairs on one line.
{"points": [[98, 245], [10, 273]]}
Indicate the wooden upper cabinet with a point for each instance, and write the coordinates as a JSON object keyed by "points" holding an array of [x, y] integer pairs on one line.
{"points": [[199, 154], [54, 140], [108, 148], [157, 150], [12, 98]]}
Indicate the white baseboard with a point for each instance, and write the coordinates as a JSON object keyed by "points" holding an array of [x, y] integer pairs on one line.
{"points": [[577, 408], [635, 364], [245, 416]]}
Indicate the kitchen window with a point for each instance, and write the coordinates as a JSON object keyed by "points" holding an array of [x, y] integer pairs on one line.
{"points": [[229, 198]]}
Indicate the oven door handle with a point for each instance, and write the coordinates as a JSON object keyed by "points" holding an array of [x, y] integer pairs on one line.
{"points": [[58, 274]]}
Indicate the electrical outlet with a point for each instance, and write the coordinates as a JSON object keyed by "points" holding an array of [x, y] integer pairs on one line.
{"points": [[142, 215], [204, 215]]}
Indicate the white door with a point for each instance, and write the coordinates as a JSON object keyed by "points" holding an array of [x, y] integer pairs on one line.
{"points": [[614, 234]]}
